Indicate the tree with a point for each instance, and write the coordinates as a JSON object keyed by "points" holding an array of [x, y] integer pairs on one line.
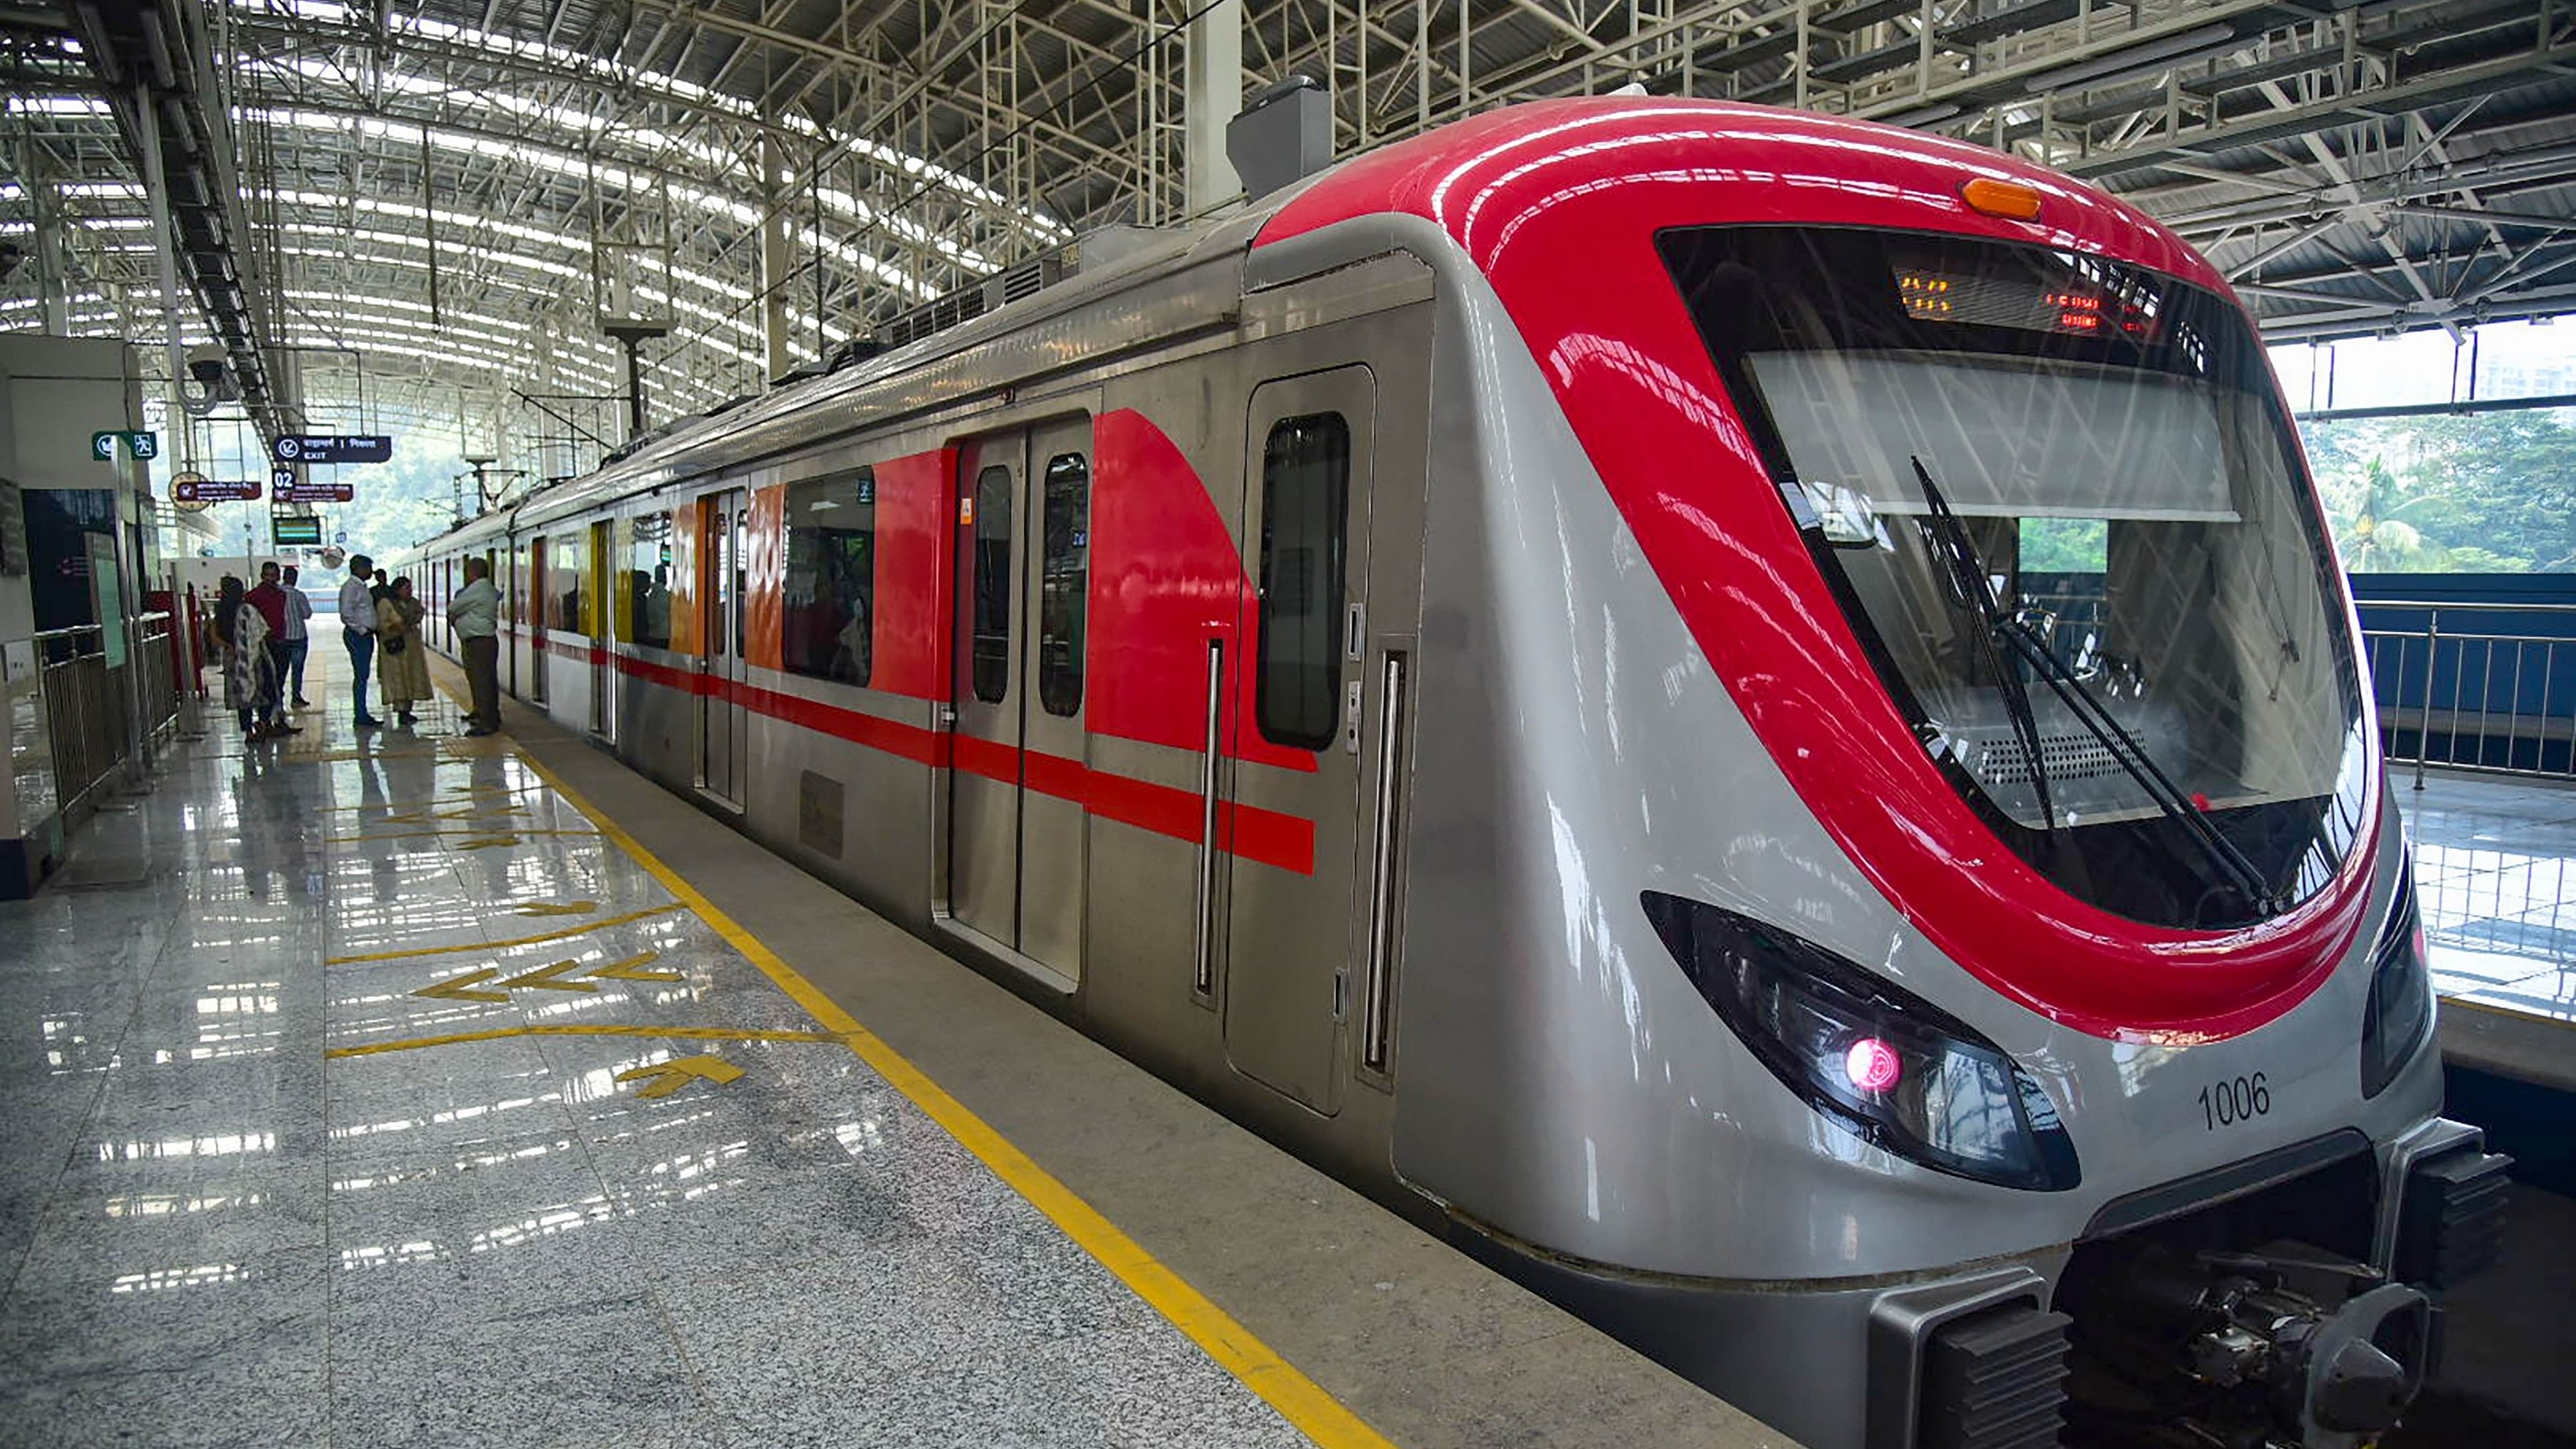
{"points": [[2484, 493]]}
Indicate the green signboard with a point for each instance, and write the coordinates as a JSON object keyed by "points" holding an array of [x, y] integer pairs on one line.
{"points": [[102, 446]]}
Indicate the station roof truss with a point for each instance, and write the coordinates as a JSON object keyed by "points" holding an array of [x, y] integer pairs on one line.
{"points": [[441, 199]]}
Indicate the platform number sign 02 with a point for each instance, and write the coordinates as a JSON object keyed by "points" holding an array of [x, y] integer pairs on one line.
{"points": [[2231, 1101]]}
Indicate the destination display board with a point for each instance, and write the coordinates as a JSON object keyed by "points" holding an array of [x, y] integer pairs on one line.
{"points": [[305, 530], [190, 488], [334, 448]]}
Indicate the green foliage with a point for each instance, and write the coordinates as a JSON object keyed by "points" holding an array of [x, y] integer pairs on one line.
{"points": [[2065, 545], [404, 501], [2489, 493]]}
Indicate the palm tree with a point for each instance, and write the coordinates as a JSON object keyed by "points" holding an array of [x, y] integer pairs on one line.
{"points": [[2382, 540]]}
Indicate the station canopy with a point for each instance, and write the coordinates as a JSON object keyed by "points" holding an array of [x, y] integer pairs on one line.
{"points": [[430, 207]]}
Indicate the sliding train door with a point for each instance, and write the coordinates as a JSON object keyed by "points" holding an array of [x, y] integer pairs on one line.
{"points": [[1015, 824], [603, 648], [540, 619], [1293, 916], [722, 521]]}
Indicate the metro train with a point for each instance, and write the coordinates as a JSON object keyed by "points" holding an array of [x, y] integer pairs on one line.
{"points": [[1750, 715]]}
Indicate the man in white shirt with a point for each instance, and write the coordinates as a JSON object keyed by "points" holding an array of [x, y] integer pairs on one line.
{"points": [[298, 640], [358, 631], [474, 616]]}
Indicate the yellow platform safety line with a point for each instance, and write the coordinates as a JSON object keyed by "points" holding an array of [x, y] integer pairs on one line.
{"points": [[1299, 1399], [537, 939], [683, 1033]]}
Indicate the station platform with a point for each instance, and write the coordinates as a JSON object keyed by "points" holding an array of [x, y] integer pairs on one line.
{"points": [[400, 1087], [2492, 871]]}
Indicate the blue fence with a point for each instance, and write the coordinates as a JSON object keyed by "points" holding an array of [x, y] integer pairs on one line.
{"points": [[2473, 670]]}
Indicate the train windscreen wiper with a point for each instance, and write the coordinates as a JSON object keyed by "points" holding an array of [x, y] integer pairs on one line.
{"points": [[2001, 626], [1970, 591]]}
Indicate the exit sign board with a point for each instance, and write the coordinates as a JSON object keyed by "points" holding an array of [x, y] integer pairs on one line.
{"points": [[192, 489], [334, 448], [102, 446], [290, 491]]}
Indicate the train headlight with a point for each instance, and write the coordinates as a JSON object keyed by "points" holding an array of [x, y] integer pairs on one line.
{"points": [[2400, 1016], [1901, 1073]]}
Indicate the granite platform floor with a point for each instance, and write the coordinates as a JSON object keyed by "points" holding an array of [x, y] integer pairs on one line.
{"points": [[379, 1089], [359, 1091], [2493, 871]]}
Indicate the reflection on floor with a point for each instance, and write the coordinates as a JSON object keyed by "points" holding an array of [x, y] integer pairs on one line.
{"points": [[374, 1097]]}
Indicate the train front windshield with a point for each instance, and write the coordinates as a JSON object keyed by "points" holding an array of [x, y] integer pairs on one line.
{"points": [[2062, 509]]}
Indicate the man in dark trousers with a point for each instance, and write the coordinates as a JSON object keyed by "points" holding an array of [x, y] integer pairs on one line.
{"points": [[358, 631], [298, 609], [474, 616]]}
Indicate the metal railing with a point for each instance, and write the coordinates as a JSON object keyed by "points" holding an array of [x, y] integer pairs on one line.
{"points": [[154, 665], [2499, 698], [86, 725]]}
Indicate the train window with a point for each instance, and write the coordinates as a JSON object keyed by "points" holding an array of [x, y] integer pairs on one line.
{"points": [[645, 581], [992, 651], [830, 597], [1305, 498], [1062, 576], [568, 561]]}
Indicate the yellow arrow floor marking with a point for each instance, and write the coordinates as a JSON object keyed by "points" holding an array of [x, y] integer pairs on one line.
{"points": [[544, 978], [542, 936], [461, 988], [673, 1033], [558, 908], [671, 1076], [487, 844], [632, 969]]}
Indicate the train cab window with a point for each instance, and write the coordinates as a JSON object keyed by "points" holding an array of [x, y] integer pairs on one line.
{"points": [[830, 597], [1305, 500], [645, 579], [1062, 579], [992, 641]]}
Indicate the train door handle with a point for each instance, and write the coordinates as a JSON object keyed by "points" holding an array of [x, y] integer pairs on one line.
{"points": [[1203, 978]]}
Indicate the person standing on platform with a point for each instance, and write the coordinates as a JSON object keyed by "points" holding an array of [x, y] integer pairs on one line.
{"points": [[250, 673], [402, 663], [299, 608], [271, 602], [358, 631], [474, 617]]}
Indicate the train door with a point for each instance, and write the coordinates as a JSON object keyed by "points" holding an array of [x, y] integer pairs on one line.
{"points": [[1289, 933], [540, 618], [721, 521], [506, 579], [603, 667], [1016, 867]]}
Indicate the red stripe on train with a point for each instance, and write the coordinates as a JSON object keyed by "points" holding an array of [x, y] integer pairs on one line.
{"points": [[1268, 837]]}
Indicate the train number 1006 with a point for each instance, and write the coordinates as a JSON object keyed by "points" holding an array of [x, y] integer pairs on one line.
{"points": [[2226, 1102]]}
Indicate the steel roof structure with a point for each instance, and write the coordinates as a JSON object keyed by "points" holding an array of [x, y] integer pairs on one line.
{"points": [[428, 206]]}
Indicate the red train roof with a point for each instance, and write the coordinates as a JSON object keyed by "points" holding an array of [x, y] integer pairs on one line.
{"points": [[1700, 162]]}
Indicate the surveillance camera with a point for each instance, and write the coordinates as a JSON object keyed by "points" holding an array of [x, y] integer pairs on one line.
{"points": [[206, 364]]}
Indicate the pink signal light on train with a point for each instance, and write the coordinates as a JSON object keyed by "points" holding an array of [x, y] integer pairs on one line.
{"points": [[1872, 1064]]}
